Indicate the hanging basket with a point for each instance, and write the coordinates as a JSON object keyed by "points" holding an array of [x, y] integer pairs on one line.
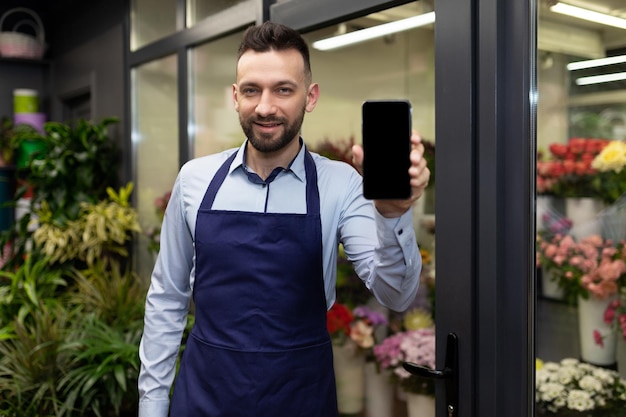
{"points": [[15, 44]]}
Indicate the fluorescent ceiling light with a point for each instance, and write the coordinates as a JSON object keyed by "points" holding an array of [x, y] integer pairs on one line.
{"points": [[596, 62], [589, 15], [374, 32], [596, 79]]}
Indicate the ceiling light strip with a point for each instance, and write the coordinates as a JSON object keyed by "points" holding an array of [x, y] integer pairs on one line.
{"points": [[572, 66], [374, 32], [596, 79], [589, 15]]}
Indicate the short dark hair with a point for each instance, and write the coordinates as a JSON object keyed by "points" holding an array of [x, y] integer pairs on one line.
{"points": [[274, 36]]}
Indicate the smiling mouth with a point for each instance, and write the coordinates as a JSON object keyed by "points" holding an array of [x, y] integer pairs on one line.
{"points": [[267, 125]]}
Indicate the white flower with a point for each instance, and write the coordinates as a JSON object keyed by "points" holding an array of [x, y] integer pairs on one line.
{"points": [[590, 383], [580, 400], [569, 362], [551, 391]]}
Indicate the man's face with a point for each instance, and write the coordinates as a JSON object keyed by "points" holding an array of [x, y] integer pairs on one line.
{"points": [[271, 96]]}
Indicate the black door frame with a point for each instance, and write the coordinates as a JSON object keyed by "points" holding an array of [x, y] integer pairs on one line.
{"points": [[485, 129]]}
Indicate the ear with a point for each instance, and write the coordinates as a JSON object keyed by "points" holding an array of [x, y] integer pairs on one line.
{"points": [[312, 96], [235, 102]]}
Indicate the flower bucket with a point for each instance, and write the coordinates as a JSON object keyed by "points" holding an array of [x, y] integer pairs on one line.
{"points": [[350, 378], [583, 212], [549, 287], [420, 405], [597, 339], [379, 392]]}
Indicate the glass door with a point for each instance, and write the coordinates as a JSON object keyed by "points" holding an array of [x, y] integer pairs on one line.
{"points": [[474, 98], [581, 73]]}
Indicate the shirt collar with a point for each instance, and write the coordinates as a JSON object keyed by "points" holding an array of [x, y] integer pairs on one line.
{"points": [[296, 166]]}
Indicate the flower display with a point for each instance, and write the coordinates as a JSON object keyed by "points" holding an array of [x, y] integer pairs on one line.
{"points": [[610, 182], [592, 266], [357, 326], [571, 385], [568, 170], [416, 346], [611, 158]]}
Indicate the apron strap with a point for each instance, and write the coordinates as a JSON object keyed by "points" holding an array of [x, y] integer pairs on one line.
{"points": [[312, 191]]}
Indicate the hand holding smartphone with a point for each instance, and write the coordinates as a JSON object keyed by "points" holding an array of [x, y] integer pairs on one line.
{"points": [[386, 126]]}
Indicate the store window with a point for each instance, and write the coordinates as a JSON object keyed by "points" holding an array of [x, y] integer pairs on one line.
{"points": [[215, 124], [155, 140], [151, 20], [581, 75]]}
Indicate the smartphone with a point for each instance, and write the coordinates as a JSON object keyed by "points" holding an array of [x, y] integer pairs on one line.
{"points": [[386, 130]]}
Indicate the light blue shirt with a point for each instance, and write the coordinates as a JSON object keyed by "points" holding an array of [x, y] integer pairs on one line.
{"points": [[383, 251]]}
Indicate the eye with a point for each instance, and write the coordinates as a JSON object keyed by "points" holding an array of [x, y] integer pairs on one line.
{"points": [[284, 91], [249, 91]]}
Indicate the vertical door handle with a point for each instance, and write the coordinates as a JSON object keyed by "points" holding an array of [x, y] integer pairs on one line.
{"points": [[449, 374]]}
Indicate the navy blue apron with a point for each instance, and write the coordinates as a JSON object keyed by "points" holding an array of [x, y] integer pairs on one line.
{"points": [[259, 345]]}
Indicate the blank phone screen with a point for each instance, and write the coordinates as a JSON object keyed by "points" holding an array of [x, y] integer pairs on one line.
{"points": [[386, 149]]}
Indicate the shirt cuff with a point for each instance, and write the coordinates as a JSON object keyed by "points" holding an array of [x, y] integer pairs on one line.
{"points": [[396, 229], [154, 408]]}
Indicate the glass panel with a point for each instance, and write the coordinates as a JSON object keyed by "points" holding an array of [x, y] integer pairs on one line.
{"points": [[215, 125], [399, 65], [155, 139], [572, 114], [396, 66], [199, 9], [151, 20]]}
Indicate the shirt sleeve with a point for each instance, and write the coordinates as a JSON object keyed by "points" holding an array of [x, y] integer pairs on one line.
{"points": [[167, 306], [383, 251]]}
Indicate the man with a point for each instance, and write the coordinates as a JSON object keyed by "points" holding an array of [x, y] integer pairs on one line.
{"points": [[253, 234]]}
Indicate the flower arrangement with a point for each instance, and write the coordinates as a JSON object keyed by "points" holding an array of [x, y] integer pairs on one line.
{"points": [[568, 171], [571, 387], [416, 346], [592, 266], [357, 326], [611, 179], [154, 233]]}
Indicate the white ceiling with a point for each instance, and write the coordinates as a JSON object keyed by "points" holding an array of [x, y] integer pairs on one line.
{"points": [[611, 38]]}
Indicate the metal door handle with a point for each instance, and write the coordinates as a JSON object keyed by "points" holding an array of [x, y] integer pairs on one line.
{"points": [[449, 374]]}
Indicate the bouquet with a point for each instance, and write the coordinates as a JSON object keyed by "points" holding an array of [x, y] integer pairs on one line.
{"points": [[592, 266], [568, 172], [611, 179], [357, 326], [571, 387], [417, 346]]}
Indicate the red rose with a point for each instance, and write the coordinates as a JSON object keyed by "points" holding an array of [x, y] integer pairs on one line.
{"points": [[558, 149]]}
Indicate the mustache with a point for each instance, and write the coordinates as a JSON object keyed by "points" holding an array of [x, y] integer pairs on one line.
{"points": [[272, 119]]}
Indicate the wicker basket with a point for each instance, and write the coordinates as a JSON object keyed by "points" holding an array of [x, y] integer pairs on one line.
{"points": [[15, 44]]}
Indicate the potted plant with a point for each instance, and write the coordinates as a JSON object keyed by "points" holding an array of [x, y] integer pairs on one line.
{"points": [[571, 388], [591, 272], [350, 336], [418, 347]]}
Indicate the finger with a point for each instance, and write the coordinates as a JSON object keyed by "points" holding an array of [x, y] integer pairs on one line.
{"points": [[417, 154], [415, 138]]}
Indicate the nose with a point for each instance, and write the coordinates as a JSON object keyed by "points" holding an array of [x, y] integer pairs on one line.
{"points": [[265, 107]]}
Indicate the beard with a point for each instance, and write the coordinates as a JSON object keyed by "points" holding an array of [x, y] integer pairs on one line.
{"points": [[266, 142]]}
